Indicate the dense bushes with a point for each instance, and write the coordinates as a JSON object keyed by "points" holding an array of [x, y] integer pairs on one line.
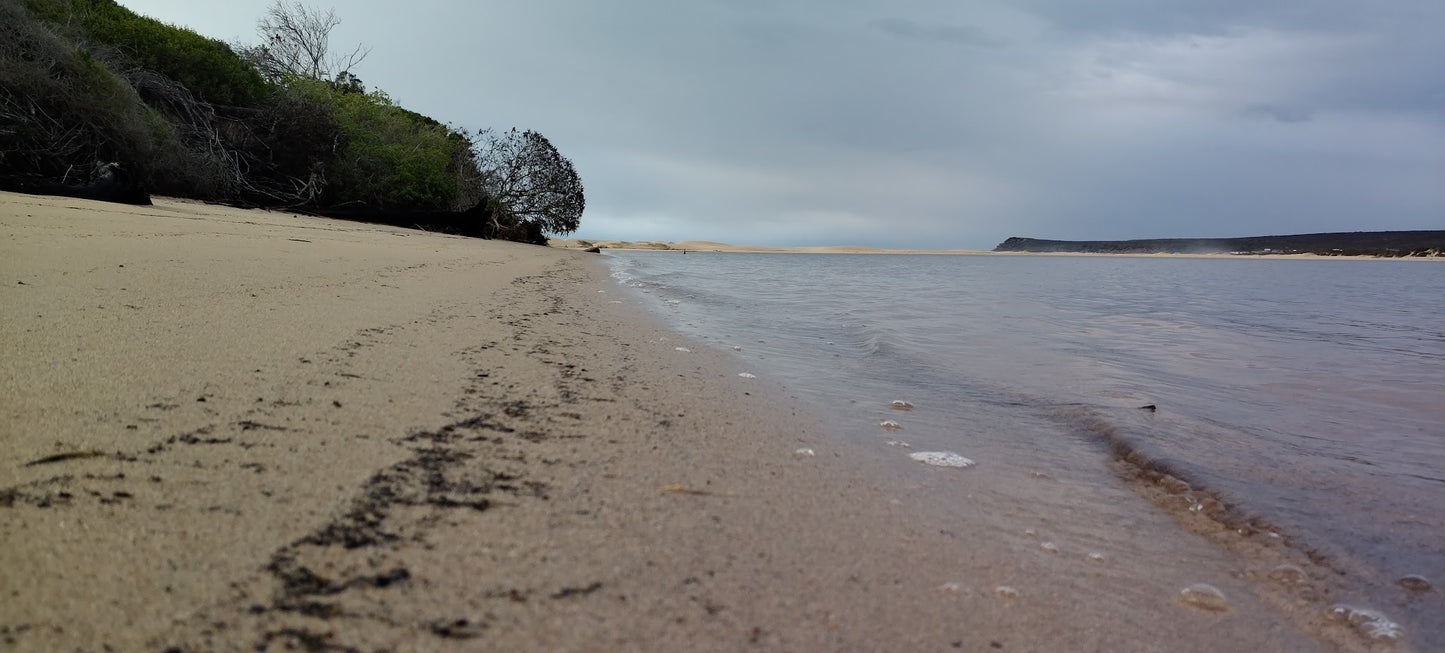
{"points": [[84, 82], [390, 159], [62, 109], [207, 67]]}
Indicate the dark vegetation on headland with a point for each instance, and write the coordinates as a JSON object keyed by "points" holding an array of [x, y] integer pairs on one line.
{"points": [[99, 102], [1357, 243]]}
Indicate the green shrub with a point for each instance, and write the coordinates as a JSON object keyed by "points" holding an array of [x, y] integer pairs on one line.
{"points": [[391, 159], [205, 66]]}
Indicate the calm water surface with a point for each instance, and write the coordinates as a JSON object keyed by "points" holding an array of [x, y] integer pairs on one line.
{"points": [[1308, 393]]}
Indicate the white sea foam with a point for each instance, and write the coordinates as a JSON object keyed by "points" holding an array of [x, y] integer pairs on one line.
{"points": [[890, 425], [941, 459], [685, 349], [1373, 624], [899, 404], [746, 375]]}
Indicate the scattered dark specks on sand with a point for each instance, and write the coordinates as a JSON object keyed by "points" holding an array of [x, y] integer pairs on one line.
{"points": [[458, 629]]}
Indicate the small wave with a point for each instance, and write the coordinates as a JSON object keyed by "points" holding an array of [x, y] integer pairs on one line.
{"points": [[1172, 485]]}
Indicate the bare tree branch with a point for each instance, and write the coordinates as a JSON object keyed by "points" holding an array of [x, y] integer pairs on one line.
{"points": [[296, 40]]}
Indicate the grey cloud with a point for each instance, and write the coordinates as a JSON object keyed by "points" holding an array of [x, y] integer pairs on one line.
{"points": [[1275, 113], [959, 34]]}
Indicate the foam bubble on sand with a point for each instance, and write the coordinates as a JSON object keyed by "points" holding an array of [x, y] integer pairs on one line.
{"points": [[899, 404], [1098, 558], [941, 459], [890, 425], [745, 375], [1050, 547], [1205, 597], [899, 443], [951, 588], [1371, 623], [804, 452], [737, 348], [1414, 583], [1287, 574], [683, 349], [1006, 592]]}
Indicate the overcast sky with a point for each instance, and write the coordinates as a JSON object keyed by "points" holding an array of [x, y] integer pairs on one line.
{"points": [[933, 123]]}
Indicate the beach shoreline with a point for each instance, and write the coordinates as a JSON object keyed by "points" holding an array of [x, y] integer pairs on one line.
{"points": [[230, 429], [695, 246]]}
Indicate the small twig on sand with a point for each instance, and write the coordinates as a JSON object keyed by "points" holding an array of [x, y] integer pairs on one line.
{"points": [[60, 457], [678, 488]]}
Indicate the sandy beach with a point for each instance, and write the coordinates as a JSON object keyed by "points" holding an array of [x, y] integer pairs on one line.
{"points": [[233, 430]]}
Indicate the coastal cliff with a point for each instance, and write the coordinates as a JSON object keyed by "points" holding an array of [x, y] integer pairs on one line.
{"points": [[1359, 243]]}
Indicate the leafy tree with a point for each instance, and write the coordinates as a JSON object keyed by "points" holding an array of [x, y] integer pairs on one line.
{"points": [[531, 183]]}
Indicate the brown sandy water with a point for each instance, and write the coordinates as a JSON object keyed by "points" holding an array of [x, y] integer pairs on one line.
{"points": [[1297, 413]]}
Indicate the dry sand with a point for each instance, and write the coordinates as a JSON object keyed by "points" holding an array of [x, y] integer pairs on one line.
{"points": [[239, 430]]}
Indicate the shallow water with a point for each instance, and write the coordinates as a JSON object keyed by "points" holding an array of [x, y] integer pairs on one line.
{"points": [[1310, 394]]}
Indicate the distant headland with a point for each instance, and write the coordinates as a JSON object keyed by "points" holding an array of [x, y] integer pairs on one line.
{"points": [[1356, 243]]}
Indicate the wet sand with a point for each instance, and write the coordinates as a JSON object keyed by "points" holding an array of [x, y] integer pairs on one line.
{"points": [[228, 430]]}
